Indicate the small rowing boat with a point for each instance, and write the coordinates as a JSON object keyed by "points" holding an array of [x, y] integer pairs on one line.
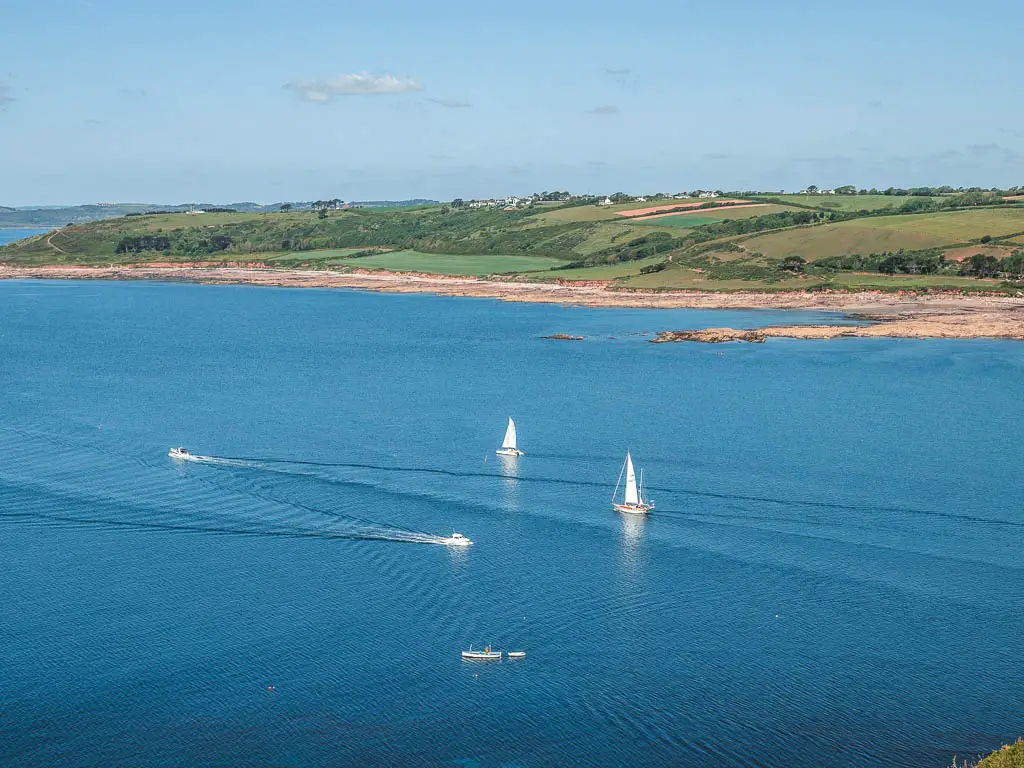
{"points": [[517, 654]]}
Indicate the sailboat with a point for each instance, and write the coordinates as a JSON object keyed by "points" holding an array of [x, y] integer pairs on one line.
{"points": [[508, 445], [633, 499]]}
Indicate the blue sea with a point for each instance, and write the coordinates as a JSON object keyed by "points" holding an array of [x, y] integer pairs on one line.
{"points": [[10, 234], [833, 574]]}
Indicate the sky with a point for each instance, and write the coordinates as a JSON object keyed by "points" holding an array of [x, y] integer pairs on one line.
{"points": [[232, 100]]}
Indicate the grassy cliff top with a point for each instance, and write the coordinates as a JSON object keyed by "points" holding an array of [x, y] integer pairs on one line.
{"points": [[1010, 756], [974, 244]]}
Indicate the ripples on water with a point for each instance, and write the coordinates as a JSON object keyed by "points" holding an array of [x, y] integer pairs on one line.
{"points": [[822, 583]]}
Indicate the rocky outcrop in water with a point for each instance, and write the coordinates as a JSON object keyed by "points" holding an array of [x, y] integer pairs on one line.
{"points": [[711, 336]]}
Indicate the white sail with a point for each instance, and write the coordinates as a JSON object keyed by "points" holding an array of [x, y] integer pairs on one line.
{"points": [[510, 435], [632, 497]]}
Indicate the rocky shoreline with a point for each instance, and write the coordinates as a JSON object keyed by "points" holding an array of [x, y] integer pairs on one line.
{"points": [[897, 315]]}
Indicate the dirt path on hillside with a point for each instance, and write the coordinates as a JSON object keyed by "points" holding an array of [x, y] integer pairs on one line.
{"points": [[49, 242]]}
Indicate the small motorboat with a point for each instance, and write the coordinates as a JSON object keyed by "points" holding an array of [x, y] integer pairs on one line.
{"points": [[485, 655], [456, 540], [181, 454], [517, 654]]}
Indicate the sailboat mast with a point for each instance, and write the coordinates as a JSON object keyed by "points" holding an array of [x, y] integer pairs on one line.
{"points": [[619, 481]]}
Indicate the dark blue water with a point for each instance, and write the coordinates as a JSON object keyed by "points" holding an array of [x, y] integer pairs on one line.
{"points": [[833, 575], [9, 235]]}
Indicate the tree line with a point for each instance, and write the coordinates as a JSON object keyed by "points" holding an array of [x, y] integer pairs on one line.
{"points": [[930, 261], [187, 242]]}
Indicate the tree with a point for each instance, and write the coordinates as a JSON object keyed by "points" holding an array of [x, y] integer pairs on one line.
{"points": [[812, 189], [980, 265], [794, 264], [1013, 266], [986, 238], [846, 189], [458, 202], [286, 206], [321, 213]]}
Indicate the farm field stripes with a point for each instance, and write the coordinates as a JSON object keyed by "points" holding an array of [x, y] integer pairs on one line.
{"points": [[655, 209]]}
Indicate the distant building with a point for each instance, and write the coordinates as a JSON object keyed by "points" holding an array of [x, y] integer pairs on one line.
{"points": [[606, 201], [706, 194]]}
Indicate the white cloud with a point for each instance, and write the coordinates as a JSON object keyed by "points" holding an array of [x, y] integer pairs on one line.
{"points": [[356, 84]]}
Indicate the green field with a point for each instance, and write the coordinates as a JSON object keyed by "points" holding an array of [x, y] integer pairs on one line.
{"points": [[847, 202], [838, 240], [453, 264], [601, 272], [889, 233], [958, 226], [680, 220]]}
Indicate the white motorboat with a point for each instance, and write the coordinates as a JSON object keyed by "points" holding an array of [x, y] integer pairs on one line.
{"points": [[456, 540], [485, 655], [181, 454], [508, 445], [517, 654], [633, 498]]}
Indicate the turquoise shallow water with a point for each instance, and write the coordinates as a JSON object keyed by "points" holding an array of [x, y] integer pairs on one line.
{"points": [[833, 575]]}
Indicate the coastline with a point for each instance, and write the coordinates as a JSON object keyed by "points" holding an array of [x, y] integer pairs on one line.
{"points": [[896, 315]]}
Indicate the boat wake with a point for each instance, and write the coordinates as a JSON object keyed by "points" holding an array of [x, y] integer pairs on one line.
{"points": [[59, 481]]}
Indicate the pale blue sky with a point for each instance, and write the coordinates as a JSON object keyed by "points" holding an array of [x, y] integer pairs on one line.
{"points": [[222, 100]]}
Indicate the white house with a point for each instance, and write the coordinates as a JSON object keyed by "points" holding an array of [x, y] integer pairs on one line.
{"points": [[606, 201], [705, 194]]}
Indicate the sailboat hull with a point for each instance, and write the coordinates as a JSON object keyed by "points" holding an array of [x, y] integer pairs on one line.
{"points": [[633, 509], [509, 452]]}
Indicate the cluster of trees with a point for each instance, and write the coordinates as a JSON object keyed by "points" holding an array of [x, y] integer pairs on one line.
{"points": [[204, 245], [850, 189], [324, 205], [926, 262], [901, 262], [987, 265], [139, 243], [189, 242], [552, 197]]}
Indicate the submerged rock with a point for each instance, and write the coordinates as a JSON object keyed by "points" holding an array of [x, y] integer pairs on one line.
{"points": [[563, 337]]}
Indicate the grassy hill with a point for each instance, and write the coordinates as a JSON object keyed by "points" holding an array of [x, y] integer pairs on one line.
{"points": [[743, 246], [1010, 756]]}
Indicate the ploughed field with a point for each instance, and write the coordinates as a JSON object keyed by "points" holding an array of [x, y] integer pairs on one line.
{"points": [[721, 244]]}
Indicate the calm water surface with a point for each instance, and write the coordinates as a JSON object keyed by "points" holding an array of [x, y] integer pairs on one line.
{"points": [[833, 575], [9, 235]]}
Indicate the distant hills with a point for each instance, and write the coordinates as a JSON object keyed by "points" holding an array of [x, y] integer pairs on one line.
{"points": [[58, 216]]}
